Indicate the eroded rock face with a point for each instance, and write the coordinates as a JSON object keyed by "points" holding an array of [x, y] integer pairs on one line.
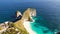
{"points": [[33, 12], [18, 13], [18, 16]]}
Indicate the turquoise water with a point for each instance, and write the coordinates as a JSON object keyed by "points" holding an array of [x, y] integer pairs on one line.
{"points": [[40, 29]]}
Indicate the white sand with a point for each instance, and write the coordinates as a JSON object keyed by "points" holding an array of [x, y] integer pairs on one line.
{"points": [[28, 27]]}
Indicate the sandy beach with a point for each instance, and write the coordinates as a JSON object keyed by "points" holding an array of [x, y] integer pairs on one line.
{"points": [[28, 27]]}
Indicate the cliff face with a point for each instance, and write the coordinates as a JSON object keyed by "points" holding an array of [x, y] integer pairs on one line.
{"points": [[18, 27], [18, 13], [33, 12]]}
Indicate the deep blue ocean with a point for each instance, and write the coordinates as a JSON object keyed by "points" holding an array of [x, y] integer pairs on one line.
{"points": [[47, 20]]}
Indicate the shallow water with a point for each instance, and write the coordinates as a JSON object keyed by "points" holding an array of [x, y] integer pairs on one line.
{"points": [[41, 28]]}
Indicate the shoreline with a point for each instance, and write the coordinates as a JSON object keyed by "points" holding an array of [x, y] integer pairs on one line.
{"points": [[28, 27]]}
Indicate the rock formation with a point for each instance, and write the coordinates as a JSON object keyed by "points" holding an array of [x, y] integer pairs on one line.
{"points": [[18, 27], [18, 13]]}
